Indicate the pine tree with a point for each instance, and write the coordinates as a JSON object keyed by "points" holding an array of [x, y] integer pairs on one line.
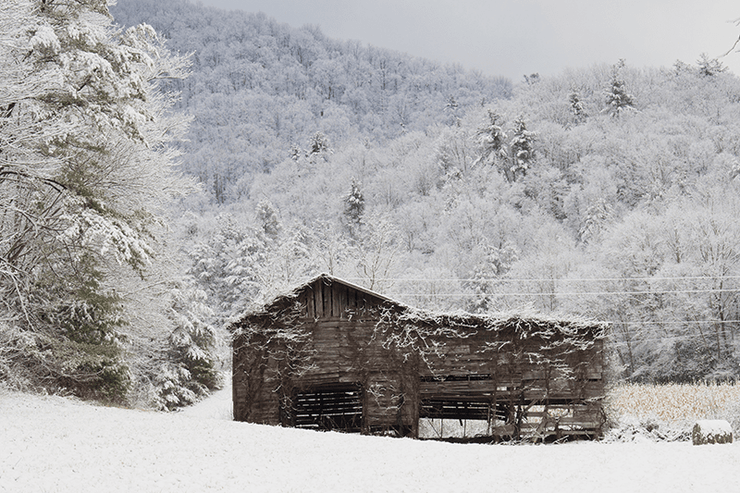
{"points": [[596, 218], [189, 370], [318, 147], [354, 208], [452, 109], [709, 67], [577, 108], [522, 150], [618, 100], [227, 265], [532, 79], [492, 140], [269, 219]]}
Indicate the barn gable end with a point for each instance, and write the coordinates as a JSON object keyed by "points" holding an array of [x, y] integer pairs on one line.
{"points": [[333, 355]]}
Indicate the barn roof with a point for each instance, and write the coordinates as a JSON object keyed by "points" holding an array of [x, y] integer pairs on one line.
{"points": [[429, 317]]}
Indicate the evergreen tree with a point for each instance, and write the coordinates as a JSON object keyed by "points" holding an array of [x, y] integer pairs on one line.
{"points": [[492, 140], [354, 208], [318, 147], [709, 67], [596, 218], [617, 98], [577, 108], [268, 218], [522, 150], [452, 108], [188, 372], [227, 265], [532, 79]]}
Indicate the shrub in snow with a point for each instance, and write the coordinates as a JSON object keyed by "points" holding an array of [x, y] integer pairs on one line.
{"points": [[711, 431], [39, 361], [731, 413], [632, 429]]}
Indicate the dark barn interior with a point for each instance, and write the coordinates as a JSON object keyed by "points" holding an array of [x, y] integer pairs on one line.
{"points": [[334, 356]]}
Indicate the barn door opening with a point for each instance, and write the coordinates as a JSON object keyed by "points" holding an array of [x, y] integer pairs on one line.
{"points": [[336, 406], [460, 417]]}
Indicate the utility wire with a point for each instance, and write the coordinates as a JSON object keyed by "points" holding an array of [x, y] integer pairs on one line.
{"points": [[670, 322], [593, 293], [667, 338], [559, 279]]}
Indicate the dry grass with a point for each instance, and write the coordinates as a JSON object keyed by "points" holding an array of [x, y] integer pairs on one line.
{"points": [[676, 404]]}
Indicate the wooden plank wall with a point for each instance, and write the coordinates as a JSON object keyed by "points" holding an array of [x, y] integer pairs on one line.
{"points": [[255, 378], [557, 392], [335, 301]]}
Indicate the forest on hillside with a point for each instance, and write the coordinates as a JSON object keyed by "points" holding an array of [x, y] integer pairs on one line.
{"points": [[260, 90], [251, 156]]}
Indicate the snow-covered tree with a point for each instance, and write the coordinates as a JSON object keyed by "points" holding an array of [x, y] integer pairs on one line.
{"points": [[188, 370], [532, 79], [318, 147], [521, 148], [227, 264], [577, 108], [269, 219], [377, 252], [452, 108], [709, 67], [492, 139], [452, 152], [354, 208], [85, 169], [618, 99], [596, 218]]}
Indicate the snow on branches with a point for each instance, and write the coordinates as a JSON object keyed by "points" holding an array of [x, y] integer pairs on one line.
{"points": [[85, 167]]}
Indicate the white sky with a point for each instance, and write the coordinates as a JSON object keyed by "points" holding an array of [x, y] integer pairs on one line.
{"points": [[517, 37]]}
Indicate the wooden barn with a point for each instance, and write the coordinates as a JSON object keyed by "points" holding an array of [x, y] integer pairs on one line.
{"points": [[335, 356]]}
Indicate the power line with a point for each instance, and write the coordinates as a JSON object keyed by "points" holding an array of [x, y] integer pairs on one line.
{"points": [[667, 338], [670, 322], [558, 279], [593, 293]]}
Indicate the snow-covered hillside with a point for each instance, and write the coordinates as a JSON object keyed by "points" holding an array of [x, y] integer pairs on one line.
{"points": [[55, 444]]}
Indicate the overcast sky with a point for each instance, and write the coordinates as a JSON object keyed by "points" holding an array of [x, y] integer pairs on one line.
{"points": [[517, 37]]}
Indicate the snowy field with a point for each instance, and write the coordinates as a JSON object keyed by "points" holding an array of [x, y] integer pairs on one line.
{"points": [[55, 444]]}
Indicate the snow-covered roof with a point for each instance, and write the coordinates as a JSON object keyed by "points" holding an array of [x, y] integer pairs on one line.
{"points": [[408, 313]]}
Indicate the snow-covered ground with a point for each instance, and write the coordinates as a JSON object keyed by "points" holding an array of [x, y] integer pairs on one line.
{"points": [[55, 444]]}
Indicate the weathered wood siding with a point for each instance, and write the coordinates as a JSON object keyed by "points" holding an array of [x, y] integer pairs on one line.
{"points": [[558, 388], [255, 380], [342, 321]]}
